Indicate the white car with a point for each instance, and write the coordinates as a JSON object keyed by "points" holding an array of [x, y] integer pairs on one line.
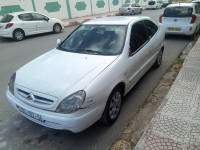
{"points": [[85, 78], [181, 19], [20, 24], [130, 9], [154, 4]]}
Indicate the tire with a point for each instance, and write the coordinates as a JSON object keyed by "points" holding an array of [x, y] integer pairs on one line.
{"points": [[113, 107], [158, 60], [192, 37], [57, 28], [132, 13], [18, 35], [140, 11]]}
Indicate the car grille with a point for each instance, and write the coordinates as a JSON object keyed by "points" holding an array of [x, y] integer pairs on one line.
{"points": [[34, 98]]}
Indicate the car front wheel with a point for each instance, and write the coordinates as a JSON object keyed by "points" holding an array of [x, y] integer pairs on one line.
{"points": [[113, 107], [18, 35], [56, 28]]}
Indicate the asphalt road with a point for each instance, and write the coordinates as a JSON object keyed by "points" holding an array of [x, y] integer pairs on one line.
{"points": [[16, 132]]}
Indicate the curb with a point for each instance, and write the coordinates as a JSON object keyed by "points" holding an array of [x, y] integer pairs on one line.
{"points": [[78, 21]]}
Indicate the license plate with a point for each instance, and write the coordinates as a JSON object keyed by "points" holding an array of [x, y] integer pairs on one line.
{"points": [[30, 114], [174, 29]]}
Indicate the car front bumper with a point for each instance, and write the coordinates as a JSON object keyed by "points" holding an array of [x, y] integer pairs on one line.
{"points": [[56, 120]]}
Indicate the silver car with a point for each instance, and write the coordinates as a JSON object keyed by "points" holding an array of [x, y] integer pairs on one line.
{"points": [[130, 9]]}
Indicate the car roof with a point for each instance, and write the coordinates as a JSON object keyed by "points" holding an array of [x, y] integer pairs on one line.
{"points": [[181, 4], [116, 20], [21, 12], [195, 1]]}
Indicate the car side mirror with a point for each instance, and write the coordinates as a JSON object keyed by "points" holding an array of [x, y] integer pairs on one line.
{"points": [[47, 19], [58, 41]]}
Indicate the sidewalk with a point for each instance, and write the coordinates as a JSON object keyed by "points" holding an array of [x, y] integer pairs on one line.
{"points": [[176, 125]]}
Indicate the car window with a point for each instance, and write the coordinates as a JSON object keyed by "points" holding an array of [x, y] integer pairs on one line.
{"points": [[38, 16], [125, 5], [96, 40], [138, 37], [133, 5], [178, 11], [25, 17], [151, 27], [151, 2], [7, 18]]}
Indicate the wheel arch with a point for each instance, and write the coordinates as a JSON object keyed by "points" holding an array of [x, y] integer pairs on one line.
{"points": [[19, 29]]}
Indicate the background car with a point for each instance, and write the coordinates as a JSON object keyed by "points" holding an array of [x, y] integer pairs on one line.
{"points": [[198, 4], [154, 4], [20, 24], [166, 2], [130, 9], [182, 19], [84, 79]]}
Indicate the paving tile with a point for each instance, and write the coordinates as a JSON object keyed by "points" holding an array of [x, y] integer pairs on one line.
{"points": [[170, 127], [182, 95], [190, 74], [177, 109], [156, 142]]}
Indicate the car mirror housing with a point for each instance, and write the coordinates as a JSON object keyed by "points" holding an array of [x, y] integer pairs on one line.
{"points": [[58, 41], [47, 19]]}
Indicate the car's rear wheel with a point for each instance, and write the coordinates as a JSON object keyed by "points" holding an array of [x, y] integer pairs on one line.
{"points": [[132, 13], [18, 35], [158, 60], [57, 28], [113, 107], [140, 11]]}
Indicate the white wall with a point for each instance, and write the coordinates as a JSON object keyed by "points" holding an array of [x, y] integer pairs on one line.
{"points": [[64, 9]]}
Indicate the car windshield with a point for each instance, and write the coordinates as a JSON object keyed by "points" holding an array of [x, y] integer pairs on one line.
{"points": [[178, 12], [126, 5], [6, 18], [96, 40]]}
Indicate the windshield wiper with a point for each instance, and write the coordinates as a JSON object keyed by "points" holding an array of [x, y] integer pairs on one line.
{"points": [[91, 51]]}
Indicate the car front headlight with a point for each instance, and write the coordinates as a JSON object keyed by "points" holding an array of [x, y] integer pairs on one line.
{"points": [[11, 83], [71, 103]]}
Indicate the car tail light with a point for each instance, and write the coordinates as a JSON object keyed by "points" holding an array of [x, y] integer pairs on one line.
{"points": [[160, 18], [190, 29], [194, 17], [9, 25]]}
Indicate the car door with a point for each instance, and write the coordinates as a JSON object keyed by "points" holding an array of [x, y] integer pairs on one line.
{"points": [[139, 54], [27, 23], [154, 41], [42, 23], [138, 8]]}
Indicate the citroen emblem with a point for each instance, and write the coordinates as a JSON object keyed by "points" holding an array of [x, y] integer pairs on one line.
{"points": [[31, 97]]}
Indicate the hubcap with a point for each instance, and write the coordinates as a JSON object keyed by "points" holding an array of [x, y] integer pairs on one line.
{"points": [[115, 105], [57, 28], [18, 35]]}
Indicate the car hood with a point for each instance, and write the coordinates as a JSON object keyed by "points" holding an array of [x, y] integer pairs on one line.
{"points": [[58, 73]]}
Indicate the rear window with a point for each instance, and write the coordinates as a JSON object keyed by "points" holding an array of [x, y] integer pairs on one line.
{"points": [[178, 12], [6, 18], [151, 2]]}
